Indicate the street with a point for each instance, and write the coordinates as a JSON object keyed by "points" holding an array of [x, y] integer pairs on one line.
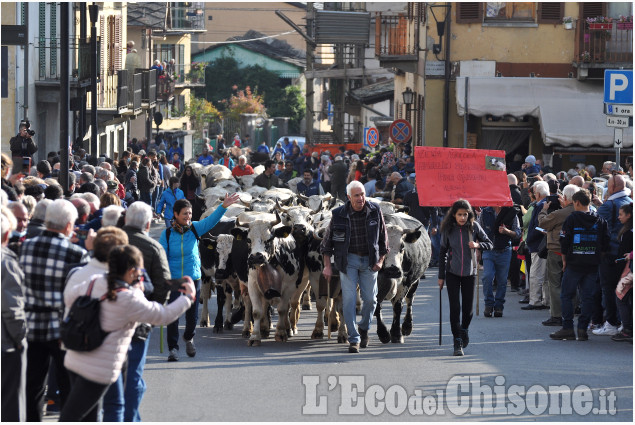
{"points": [[229, 381]]}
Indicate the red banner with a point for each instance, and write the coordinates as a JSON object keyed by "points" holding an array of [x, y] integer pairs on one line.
{"points": [[445, 175]]}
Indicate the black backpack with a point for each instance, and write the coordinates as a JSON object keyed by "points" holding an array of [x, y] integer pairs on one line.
{"points": [[169, 230], [81, 329]]}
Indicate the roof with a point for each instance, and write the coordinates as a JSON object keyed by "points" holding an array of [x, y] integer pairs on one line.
{"points": [[376, 92], [150, 14], [271, 47]]}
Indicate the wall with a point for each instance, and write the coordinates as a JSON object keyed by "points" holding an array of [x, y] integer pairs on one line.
{"points": [[8, 127]]}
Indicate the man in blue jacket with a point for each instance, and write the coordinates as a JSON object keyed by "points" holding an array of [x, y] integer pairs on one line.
{"points": [[181, 245], [609, 270], [308, 186]]}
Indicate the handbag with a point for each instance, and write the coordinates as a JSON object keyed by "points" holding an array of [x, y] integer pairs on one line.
{"points": [[624, 285]]}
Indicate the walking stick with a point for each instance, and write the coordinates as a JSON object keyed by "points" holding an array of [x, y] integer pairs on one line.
{"points": [[440, 313], [475, 269], [161, 339]]}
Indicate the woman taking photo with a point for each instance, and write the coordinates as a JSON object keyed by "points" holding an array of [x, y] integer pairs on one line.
{"points": [[92, 372], [460, 234], [190, 184]]}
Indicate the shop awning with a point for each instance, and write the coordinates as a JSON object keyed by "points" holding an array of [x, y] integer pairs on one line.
{"points": [[570, 112]]}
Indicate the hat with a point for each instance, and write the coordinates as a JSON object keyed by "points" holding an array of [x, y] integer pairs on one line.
{"points": [[112, 184], [354, 157], [142, 152], [531, 159], [337, 158], [413, 176]]}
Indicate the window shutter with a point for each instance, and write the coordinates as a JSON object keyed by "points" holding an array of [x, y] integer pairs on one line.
{"points": [[467, 13], [42, 38], [550, 13], [592, 9], [118, 50], [104, 48], [181, 105], [53, 31]]}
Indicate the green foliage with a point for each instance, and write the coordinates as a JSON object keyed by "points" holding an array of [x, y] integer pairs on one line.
{"points": [[201, 112], [291, 104]]}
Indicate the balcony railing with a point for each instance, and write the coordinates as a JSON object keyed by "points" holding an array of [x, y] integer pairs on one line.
{"points": [[187, 16], [148, 88], [107, 89], [129, 92], [165, 88], [396, 36], [49, 64], [604, 45]]}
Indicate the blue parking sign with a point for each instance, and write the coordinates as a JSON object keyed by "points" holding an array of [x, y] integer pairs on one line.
{"points": [[618, 86]]}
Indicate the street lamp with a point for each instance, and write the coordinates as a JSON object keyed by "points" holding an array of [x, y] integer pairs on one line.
{"points": [[408, 97], [436, 48]]}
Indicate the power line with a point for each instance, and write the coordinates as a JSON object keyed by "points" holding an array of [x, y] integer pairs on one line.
{"points": [[243, 41]]}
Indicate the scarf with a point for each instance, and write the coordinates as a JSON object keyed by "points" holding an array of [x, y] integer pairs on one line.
{"points": [[178, 228]]}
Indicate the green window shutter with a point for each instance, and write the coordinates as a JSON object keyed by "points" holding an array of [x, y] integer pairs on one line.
{"points": [[42, 38], [53, 46]]}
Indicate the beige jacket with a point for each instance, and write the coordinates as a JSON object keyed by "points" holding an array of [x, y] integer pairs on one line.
{"points": [[119, 317], [552, 223]]}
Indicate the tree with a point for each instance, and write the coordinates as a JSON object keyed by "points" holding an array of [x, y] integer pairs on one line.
{"points": [[291, 104], [244, 102], [201, 112]]}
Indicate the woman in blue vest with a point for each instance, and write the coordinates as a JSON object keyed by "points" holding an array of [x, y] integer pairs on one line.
{"points": [[168, 198]]}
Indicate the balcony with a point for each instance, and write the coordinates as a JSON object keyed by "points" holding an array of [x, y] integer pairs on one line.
{"points": [[189, 75], [605, 45], [396, 42], [49, 66], [165, 88], [186, 17], [129, 93], [148, 88]]}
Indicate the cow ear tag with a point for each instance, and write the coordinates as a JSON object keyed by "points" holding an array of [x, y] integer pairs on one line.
{"points": [[239, 238], [286, 235]]}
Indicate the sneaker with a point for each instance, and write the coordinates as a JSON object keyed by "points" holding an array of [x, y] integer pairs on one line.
{"points": [[174, 355], [488, 312], [620, 329], [465, 337], [524, 300], [190, 349], [592, 326], [498, 312], [364, 338], [622, 337], [583, 335], [607, 329], [353, 348], [553, 321], [563, 334], [458, 347], [514, 289]]}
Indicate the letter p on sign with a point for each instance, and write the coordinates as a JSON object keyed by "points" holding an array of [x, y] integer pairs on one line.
{"points": [[618, 86]]}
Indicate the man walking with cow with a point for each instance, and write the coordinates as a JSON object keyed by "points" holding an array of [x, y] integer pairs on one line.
{"points": [[357, 240]]}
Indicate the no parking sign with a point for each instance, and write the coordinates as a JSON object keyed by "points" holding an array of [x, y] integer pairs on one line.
{"points": [[400, 131], [371, 137]]}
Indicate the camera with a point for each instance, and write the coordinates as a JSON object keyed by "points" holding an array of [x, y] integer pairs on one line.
{"points": [[30, 132], [27, 125]]}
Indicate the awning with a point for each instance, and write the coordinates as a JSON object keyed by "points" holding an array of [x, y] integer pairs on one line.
{"points": [[570, 112]]}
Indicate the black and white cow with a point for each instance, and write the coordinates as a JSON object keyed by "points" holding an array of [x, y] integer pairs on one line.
{"points": [[269, 244], [404, 266]]}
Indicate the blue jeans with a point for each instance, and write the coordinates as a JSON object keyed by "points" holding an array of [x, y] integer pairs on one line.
{"points": [[435, 241], [495, 264], [358, 271], [135, 385], [573, 279], [156, 195], [191, 317], [113, 402], [145, 197]]}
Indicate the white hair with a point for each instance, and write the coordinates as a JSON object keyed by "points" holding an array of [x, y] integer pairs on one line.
{"points": [[138, 215], [242, 157], [91, 198], [354, 184], [512, 179], [549, 177], [110, 215], [4, 198], [29, 202], [591, 170], [569, 190], [541, 188], [9, 223], [39, 213], [59, 214]]}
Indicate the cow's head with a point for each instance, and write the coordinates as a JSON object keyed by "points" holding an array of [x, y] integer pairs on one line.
{"points": [[397, 240], [260, 235], [208, 253], [224, 265], [298, 218]]}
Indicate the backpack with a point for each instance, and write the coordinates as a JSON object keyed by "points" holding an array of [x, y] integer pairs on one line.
{"points": [[81, 329], [169, 230], [585, 244]]}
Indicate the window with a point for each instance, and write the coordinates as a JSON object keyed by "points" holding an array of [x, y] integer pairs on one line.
{"points": [[510, 12], [550, 13], [469, 12]]}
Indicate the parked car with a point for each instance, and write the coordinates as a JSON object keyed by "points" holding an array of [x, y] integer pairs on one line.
{"points": [[301, 140]]}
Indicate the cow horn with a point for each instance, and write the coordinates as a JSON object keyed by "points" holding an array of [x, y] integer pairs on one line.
{"points": [[278, 220], [280, 207], [302, 197], [317, 237], [238, 224]]}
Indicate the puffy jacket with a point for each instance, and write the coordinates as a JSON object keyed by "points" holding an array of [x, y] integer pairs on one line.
{"points": [[168, 198], [609, 212], [183, 255], [455, 256], [119, 317]]}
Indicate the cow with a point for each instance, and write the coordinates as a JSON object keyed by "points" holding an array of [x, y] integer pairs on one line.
{"points": [[273, 245], [403, 267]]}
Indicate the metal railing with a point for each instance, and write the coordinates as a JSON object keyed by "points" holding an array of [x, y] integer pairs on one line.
{"points": [[606, 43], [49, 65], [395, 35], [107, 89], [187, 18]]}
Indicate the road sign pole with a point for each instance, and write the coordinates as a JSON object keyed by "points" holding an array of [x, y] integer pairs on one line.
{"points": [[618, 137]]}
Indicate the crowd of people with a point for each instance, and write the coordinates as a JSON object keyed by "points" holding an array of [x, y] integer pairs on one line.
{"points": [[55, 240]]}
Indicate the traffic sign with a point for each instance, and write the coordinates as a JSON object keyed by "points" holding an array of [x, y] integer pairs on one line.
{"points": [[620, 110], [612, 121], [618, 86], [371, 137], [618, 139], [400, 131]]}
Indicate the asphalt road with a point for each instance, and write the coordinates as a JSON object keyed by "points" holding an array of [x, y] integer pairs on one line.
{"points": [[511, 365], [511, 371]]}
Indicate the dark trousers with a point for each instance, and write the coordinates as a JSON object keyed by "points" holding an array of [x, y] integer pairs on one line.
{"points": [[609, 276], [597, 314], [39, 355], [460, 290], [573, 279], [84, 401], [514, 270], [13, 385], [624, 306], [191, 317]]}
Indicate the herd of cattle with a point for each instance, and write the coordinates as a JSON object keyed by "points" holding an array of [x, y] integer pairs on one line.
{"points": [[265, 252]]}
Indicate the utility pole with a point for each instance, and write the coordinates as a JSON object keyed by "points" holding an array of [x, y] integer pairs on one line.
{"points": [[93, 10], [64, 106], [309, 67]]}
